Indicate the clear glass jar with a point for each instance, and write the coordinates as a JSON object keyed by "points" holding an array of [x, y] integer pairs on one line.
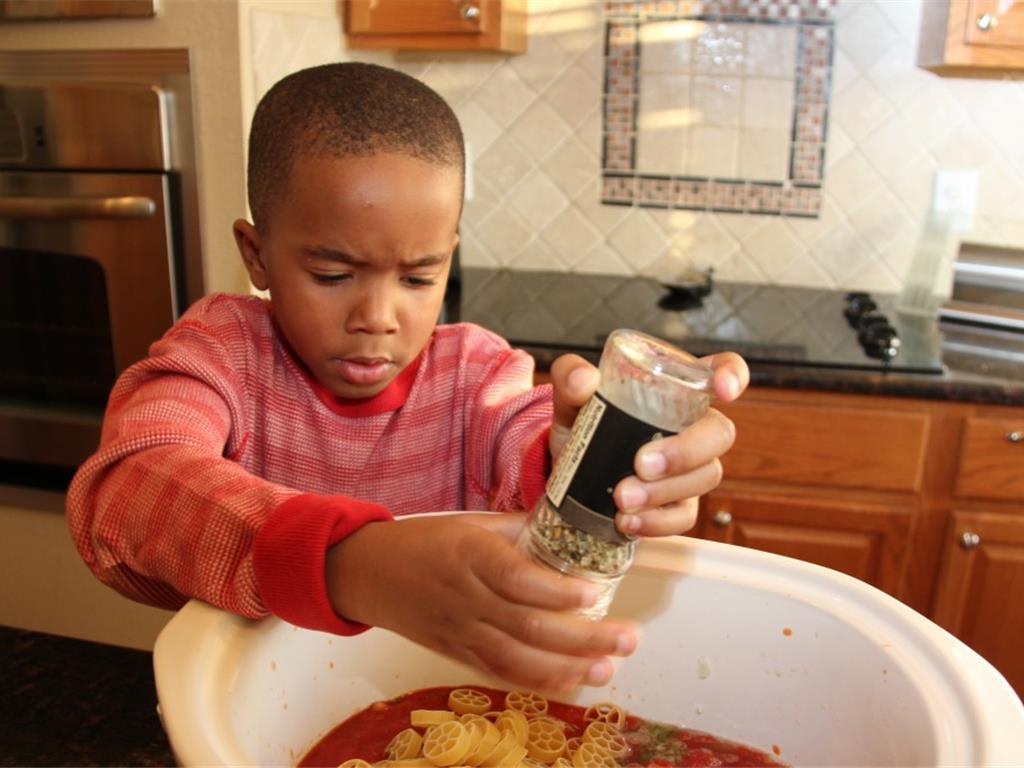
{"points": [[648, 389]]}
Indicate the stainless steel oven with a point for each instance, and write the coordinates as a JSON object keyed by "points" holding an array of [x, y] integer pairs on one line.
{"points": [[91, 254]]}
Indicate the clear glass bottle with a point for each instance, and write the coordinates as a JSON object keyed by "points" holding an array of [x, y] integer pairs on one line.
{"points": [[648, 389]]}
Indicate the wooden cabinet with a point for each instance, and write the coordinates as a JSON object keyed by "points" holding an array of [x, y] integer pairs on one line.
{"points": [[473, 25], [830, 479], [992, 458], [980, 586], [841, 443], [972, 37], [865, 539]]}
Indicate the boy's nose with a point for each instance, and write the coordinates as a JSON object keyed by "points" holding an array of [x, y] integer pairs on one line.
{"points": [[374, 312]]}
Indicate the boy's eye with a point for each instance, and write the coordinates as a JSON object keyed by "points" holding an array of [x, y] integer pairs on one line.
{"points": [[418, 281], [333, 279]]}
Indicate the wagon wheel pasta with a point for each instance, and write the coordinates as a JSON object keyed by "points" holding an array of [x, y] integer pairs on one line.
{"points": [[466, 700], [502, 752], [514, 721], [356, 763], [606, 738], [405, 744], [421, 718], [590, 756], [545, 741], [529, 703], [485, 736], [606, 712], [447, 743]]}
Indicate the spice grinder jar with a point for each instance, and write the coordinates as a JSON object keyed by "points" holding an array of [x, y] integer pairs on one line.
{"points": [[648, 389]]}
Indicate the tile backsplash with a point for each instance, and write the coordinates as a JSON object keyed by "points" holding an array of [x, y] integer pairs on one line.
{"points": [[716, 105], [772, 150]]}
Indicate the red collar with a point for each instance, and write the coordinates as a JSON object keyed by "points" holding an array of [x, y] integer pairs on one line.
{"points": [[391, 398]]}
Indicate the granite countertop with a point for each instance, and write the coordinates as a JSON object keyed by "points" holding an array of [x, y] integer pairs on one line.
{"points": [[794, 338], [74, 702]]}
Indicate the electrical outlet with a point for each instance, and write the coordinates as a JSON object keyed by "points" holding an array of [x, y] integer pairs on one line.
{"points": [[955, 192]]}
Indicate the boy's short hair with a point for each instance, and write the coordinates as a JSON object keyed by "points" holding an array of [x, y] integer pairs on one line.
{"points": [[346, 110]]}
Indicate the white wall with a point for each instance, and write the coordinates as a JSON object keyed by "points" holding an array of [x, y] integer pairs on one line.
{"points": [[533, 123]]}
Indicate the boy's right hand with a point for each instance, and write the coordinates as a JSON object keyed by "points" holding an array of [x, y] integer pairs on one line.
{"points": [[458, 585]]}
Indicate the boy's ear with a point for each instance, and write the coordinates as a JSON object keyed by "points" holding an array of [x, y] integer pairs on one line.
{"points": [[247, 238]]}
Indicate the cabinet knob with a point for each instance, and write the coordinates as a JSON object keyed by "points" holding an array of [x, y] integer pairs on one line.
{"points": [[969, 540], [470, 12], [1015, 436], [722, 518], [987, 21]]}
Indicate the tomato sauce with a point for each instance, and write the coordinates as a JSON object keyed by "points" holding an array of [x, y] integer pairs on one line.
{"points": [[367, 733]]}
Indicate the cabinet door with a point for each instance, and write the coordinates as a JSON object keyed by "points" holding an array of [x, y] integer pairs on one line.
{"points": [[992, 458], [978, 597], [419, 17], [831, 445], [866, 540], [470, 25], [995, 22], [979, 38]]}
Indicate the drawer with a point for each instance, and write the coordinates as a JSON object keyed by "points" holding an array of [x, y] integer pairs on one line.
{"points": [[835, 446], [992, 458]]}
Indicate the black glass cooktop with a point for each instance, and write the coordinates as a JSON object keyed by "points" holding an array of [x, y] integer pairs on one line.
{"points": [[767, 324]]}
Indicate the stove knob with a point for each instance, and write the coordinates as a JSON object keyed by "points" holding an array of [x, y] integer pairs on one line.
{"points": [[857, 305], [871, 318], [879, 338]]}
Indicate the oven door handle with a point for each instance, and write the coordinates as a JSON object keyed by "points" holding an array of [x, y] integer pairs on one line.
{"points": [[70, 208]]}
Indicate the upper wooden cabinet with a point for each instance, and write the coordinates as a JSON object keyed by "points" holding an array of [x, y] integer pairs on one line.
{"points": [[468, 25], [972, 37]]}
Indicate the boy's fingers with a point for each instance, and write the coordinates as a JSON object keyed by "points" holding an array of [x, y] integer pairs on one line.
{"points": [[664, 521], [632, 495], [700, 443], [510, 574], [731, 375], [573, 381], [567, 633], [534, 668]]}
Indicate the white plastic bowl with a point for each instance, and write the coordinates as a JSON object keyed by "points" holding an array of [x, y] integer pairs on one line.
{"points": [[750, 646]]}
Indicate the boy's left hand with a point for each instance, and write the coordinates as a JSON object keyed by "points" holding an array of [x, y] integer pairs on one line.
{"points": [[671, 473]]}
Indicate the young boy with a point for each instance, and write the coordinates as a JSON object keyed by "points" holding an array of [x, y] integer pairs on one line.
{"points": [[255, 459]]}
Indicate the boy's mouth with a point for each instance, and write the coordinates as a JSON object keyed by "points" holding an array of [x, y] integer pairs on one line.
{"points": [[364, 370]]}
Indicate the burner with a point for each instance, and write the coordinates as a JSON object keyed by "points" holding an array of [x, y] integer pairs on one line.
{"points": [[876, 335]]}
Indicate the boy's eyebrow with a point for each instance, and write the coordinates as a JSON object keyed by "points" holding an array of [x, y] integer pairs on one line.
{"points": [[333, 254]]}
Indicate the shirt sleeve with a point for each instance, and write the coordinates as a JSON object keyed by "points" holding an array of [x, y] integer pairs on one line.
{"points": [[162, 512], [509, 424]]}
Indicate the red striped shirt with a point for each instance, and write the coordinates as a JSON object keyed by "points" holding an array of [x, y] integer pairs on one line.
{"points": [[225, 471]]}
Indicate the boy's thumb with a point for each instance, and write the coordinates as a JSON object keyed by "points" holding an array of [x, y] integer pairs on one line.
{"points": [[574, 380]]}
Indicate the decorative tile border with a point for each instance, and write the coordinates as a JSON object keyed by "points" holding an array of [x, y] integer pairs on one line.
{"points": [[800, 193]]}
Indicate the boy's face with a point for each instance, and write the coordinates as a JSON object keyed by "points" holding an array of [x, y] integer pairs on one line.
{"points": [[355, 256]]}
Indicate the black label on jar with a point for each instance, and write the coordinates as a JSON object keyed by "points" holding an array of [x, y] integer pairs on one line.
{"points": [[597, 456]]}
